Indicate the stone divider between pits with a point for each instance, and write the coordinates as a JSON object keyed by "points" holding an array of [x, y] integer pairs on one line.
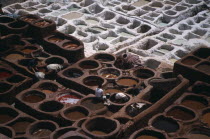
{"points": [[11, 83], [195, 66], [9, 25], [43, 29], [14, 122], [157, 106], [23, 51], [47, 100]]}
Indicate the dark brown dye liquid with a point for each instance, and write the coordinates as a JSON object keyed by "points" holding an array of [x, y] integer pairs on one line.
{"points": [[75, 115], [146, 137], [198, 136], [20, 127], [96, 132], [206, 118], [166, 125], [127, 82], [204, 67], [190, 61], [33, 98], [92, 82], [42, 132], [5, 118], [180, 114], [88, 66], [112, 91], [27, 51], [93, 104], [196, 105]]}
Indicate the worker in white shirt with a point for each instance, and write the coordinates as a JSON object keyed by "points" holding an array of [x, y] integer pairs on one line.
{"points": [[99, 94]]}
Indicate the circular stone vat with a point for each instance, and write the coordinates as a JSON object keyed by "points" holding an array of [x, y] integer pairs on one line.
{"points": [[101, 127], [68, 98], [147, 134], [42, 129], [7, 114], [6, 133], [76, 113], [92, 103], [4, 87], [21, 125], [205, 116], [6, 20], [51, 106], [93, 81], [121, 101], [194, 102], [89, 64], [55, 39], [181, 113], [190, 60], [109, 73], [127, 81], [73, 73], [70, 45], [103, 57], [16, 79], [5, 73], [48, 87], [54, 60], [33, 96], [169, 125], [143, 73]]}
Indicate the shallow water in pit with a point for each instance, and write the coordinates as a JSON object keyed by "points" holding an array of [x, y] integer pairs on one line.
{"points": [[140, 3], [206, 118], [98, 132], [93, 104], [14, 57], [127, 82], [72, 15], [20, 127], [33, 98], [75, 115], [180, 114], [5, 118], [196, 105], [112, 91]]}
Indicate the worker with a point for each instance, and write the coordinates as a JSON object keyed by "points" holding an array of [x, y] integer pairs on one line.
{"points": [[99, 92], [1, 11]]}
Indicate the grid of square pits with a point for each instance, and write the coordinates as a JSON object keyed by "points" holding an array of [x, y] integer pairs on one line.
{"points": [[113, 26]]}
